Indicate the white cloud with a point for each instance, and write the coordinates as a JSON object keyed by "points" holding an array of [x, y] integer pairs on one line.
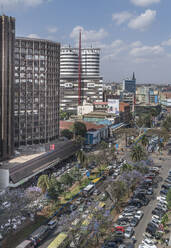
{"points": [[144, 3], [88, 35], [10, 4], [166, 43], [143, 21], [147, 51], [52, 30], [35, 36], [121, 17], [136, 44]]}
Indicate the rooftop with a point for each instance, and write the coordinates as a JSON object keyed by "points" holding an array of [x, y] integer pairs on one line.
{"points": [[89, 125]]}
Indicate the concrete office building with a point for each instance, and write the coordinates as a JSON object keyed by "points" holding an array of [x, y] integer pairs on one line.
{"points": [[7, 42], [129, 85], [37, 73], [91, 82]]}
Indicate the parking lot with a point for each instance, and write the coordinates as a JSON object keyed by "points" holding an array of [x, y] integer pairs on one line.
{"points": [[140, 229]]}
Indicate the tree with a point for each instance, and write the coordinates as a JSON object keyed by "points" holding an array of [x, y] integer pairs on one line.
{"points": [[164, 220], [127, 132], [82, 158], [76, 174], [144, 141], [168, 198], [66, 179], [79, 128], [127, 168], [116, 192], [137, 153], [64, 115], [43, 183], [54, 189], [103, 145], [167, 123], [131, 178], [67, 133]]}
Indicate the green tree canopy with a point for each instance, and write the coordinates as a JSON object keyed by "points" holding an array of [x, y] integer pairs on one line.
{"points": [[144, 141], [168, 198], [137, 153], [66, 179], [64, 115], [67, 133], [167, 123], [82, 158], [43, 183], [79, 128], [116, 192]]}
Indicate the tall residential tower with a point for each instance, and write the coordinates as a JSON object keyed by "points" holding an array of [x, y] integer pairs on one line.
{"points": [[7, 42]]}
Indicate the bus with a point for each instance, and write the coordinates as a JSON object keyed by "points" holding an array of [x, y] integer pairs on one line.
{"points": [[26, 244], [61, 241], [88, 190]]}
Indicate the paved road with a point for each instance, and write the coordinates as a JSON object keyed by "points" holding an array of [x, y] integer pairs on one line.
{"points": [[140, 229]]}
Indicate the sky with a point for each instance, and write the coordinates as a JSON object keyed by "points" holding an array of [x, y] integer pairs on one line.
{"points": [[134, 35]]}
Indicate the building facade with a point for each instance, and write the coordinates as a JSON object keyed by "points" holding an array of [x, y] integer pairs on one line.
{"points": [[129, 85], [37, 85], [91, 82], [7, 42]]}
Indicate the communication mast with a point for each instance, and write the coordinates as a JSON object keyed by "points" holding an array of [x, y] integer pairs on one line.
{"points": [[79, 71]]}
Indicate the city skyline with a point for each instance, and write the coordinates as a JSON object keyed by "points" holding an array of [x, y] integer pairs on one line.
{"points": [[132, 34]]}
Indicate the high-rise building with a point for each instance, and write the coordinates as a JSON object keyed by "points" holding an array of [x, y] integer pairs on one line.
{"points": [[129, 85], [7, 42], [37, 73], [91, 82]]}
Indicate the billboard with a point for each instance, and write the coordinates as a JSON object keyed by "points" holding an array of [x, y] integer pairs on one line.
{"points": [[113, 106]]}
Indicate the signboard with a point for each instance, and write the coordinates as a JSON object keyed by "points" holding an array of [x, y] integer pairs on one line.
{"points": [[52, 147], [117, 146], [113, 106]]}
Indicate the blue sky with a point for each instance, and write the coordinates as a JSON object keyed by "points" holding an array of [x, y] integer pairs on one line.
{"points": [[134, 35]]}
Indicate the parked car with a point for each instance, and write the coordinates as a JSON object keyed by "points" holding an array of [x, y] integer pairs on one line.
{"points": [[139, 214], [134, 222], [129, 231]]}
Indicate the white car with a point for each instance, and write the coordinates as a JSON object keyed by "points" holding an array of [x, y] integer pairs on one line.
{"points": [[147, 246], [6, 204], [139, 214], [161, 198], [142, 246], [14, 227], [155, 217], [148, 243], [163, 202], [155, 221]]}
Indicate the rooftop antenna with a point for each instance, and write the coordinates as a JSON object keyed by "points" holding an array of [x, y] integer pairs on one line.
{"points": [[79, 71]]}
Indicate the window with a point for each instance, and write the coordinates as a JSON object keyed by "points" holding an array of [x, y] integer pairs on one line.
{"points": [[36, 57], [29, 56]]}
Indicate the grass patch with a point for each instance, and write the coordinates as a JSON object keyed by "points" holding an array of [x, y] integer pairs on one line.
{"points": [[14, 239]]}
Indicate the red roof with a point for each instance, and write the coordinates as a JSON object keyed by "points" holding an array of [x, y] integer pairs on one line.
{"points": [[122, 106], [100, 103], [89, 125]]}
